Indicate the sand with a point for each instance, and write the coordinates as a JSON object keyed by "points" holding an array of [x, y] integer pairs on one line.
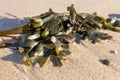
{"points": [[82, 64]]}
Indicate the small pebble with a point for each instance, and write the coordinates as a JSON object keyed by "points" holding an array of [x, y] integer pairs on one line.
{"points": [[114, 52], [105, 61]]}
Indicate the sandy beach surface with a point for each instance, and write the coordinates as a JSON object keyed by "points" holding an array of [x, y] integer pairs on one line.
{"points": [[84, 61]]}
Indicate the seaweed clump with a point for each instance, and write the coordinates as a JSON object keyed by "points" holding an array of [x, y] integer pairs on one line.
{"points": [[48, 35]]}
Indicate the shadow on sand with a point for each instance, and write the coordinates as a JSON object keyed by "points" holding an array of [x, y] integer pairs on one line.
{"points": [[8, 23], [114, 15], [15, 57], [14, 21]]}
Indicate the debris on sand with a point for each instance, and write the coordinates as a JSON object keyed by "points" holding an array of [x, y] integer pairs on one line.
{"points": [[48, 35]]}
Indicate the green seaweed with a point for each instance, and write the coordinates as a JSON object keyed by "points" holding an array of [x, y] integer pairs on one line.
{"points": [[48, 35]]}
